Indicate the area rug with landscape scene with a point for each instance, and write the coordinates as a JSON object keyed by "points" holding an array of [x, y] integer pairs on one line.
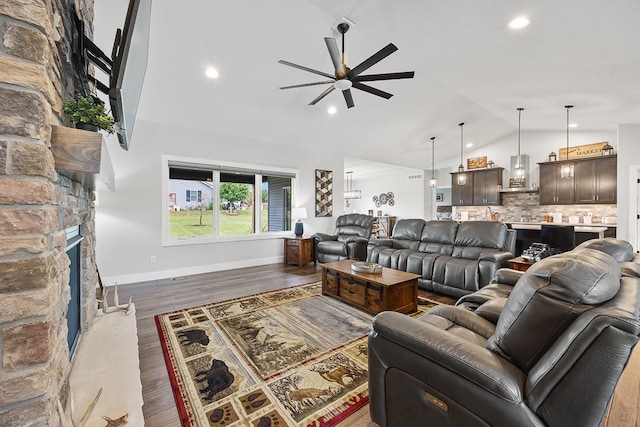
{"points": [[290, 357]]}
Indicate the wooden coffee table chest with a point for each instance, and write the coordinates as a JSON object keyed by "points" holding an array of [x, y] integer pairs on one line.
{"points": [[391, 290]]}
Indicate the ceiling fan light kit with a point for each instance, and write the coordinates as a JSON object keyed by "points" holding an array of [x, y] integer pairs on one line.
{"points": [[343, 84], [344, 78]]}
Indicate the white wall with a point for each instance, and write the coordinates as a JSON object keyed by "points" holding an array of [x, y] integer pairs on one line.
{"points": [[128, 221], [628, 188], [409, 194]]}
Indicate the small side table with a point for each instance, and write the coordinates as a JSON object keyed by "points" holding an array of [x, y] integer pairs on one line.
{"points": [[520, 264], [299, 250]]}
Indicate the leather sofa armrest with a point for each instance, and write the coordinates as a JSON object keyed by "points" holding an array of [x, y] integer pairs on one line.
{"points": [[356, 239], [507, 276], [468, 360], [497, 257], [491, 309], [321, 237], [381, 242]]}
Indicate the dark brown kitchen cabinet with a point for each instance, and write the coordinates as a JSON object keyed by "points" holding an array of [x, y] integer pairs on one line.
{"points": [[462, 194], [555, 190], [485, 187], [596, 180], [481, 188]]}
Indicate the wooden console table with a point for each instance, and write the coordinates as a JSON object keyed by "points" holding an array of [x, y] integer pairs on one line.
{"points": [[519, 264], [390, 290], [299, 250]]}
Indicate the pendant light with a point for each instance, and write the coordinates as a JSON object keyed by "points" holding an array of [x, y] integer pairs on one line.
{"points": [[567, 169], [350, 193], [433, 182], [518, 171], [461, 177]]}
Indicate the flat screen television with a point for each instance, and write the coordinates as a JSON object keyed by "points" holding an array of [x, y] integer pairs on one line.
{"points": [[129, 56]]}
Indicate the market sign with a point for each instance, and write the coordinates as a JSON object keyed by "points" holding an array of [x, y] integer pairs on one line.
{"points": [[582, 151]]}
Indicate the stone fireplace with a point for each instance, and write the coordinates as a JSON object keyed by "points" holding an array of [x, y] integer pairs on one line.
{"points": [[37, 205]]}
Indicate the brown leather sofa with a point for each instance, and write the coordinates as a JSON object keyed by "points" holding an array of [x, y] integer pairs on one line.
{"points": [[453, 258], [553, 357], [349, 240]]}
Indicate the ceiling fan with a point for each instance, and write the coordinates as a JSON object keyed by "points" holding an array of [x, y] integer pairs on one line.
{"points": [[344, 77]]}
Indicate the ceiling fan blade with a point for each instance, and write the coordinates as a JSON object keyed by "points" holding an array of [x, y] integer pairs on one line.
{"points": [[322, 95], [372, 60], [308, 84], [385, 76], [348, 98], [372, 90], [302, 67], [334, 52]]}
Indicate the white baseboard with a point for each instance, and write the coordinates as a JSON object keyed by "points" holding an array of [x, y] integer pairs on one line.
{"points": [[187, 271]]}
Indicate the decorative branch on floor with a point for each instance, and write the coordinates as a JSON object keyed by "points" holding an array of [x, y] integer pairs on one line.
{"points": [[72, 409], [117, 307], [117, 422], [89, 410], [61, 414]]}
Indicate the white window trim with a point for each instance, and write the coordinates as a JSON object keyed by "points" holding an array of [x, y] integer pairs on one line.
{"points": [[166, 159]]}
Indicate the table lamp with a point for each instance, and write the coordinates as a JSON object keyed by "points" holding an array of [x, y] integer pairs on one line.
{"points": [[299, 213]]}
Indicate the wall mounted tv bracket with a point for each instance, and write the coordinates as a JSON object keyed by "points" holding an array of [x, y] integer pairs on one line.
{"points": [[85, 51]]}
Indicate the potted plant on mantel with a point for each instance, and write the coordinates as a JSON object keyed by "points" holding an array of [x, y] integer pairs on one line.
{"points": [[79, 152], [88, 113]]}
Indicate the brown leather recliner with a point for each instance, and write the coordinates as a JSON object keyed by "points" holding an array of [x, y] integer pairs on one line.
{"points": [[552, 359], [349, 240], [489, 301]]}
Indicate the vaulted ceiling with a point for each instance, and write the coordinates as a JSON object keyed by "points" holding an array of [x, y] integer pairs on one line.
{"points": [[469, 67]]}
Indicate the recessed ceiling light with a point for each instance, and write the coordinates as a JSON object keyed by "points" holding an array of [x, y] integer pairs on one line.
{"points": [[573, 125], [469, 144], [332, 110], [519, 22], [212, 73]]}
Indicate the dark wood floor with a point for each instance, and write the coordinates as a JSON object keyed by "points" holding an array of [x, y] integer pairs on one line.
{"points": [[161, 296]]}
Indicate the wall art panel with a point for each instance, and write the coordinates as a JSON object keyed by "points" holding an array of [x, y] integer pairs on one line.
{"points": [[324, 193]]}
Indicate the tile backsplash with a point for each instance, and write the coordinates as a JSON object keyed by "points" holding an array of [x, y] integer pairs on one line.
{"points": [[525, 207]]}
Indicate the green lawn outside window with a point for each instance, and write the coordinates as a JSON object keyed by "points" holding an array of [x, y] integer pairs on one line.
{"points": [[187, 223]]}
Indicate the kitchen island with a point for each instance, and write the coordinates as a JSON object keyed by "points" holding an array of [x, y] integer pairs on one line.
{"points": [[529, 232]]}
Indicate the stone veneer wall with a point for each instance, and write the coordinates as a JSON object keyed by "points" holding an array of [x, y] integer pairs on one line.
{"points": [[36, 205], [525, 207]]}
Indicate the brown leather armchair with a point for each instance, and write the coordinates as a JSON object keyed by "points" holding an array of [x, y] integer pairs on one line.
{"points": [[553, 358], [349, 240]]}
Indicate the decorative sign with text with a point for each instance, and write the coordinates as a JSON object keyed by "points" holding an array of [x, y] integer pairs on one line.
{"points": [[477, 162], [582, 151]]}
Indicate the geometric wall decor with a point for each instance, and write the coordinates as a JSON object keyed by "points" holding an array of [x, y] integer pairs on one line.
{"points": [[324, 193]]}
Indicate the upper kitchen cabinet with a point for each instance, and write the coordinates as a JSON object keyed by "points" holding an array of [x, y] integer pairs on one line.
{"points": [[555, 190], [480, 189], [596, 180], [462, 194], [485, 187]]}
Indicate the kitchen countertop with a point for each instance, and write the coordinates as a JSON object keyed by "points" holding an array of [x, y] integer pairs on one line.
{"points": [[580, 228]]}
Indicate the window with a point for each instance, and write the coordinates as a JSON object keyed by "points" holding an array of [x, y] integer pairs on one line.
{"points": [[194, 196], [210, 201]]}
